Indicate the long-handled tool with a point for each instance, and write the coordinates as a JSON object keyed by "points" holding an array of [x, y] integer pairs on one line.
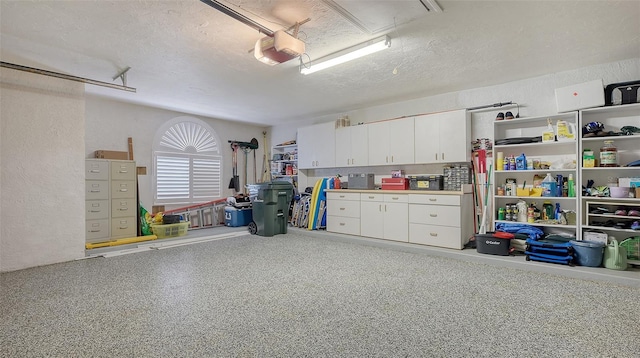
{"points": [[235, 180]]}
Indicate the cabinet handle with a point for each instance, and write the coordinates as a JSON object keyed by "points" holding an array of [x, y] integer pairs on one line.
{"points": [[385, 208], [392, 159], [342, 196], [442, 156], [123, 171], [124, 190], [433, 234], [433, 199], [341, 208], [353, 161], [123, 227], [123, 209], [371, 197], [436, 154], [95, 211], [342, 224], [95, 230], [433, 215], [395, 198], [386, 159], [94, 191], [94, 171]]}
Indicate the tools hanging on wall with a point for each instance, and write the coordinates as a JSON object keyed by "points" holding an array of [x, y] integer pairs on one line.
{"points": [[246, 147]]}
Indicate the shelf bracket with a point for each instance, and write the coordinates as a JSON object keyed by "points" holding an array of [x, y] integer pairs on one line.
{"points": [[123, 76]]}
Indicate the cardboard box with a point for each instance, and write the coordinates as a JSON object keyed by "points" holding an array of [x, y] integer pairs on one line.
{"points": [[111, 154], [579, 96], [157, 209]]}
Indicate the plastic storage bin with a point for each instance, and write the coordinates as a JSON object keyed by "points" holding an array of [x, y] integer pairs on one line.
{"points": [[237, 217], [170, 230], [588, 253]]}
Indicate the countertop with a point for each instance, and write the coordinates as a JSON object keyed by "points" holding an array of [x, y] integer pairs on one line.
{"points": [[424, 192]]}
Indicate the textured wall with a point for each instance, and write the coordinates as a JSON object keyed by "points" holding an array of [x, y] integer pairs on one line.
{"points": [[42, 185]]}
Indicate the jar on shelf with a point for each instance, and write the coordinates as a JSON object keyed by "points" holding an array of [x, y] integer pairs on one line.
{"points": [[608, 154]]}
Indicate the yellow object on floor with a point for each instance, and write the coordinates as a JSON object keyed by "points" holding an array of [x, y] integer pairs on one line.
{"points": [[129, 240]]}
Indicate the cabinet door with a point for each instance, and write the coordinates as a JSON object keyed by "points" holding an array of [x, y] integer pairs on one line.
{"points": [[372, 219], [427, 139], [305, 140], [401, 141], [396, 221], [455, 127], [325, 145], [343, 147], [359, 146], [378, 143]]}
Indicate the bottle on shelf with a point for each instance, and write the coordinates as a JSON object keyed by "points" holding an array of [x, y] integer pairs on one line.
{"points": [[549, 186], [608, 154], [571, 187]]}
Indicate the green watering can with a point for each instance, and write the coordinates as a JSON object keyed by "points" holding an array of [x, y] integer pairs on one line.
{"points": [[615, 256]]}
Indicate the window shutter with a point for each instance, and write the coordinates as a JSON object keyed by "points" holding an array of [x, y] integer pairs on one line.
{"points": [[172, 176], [206, 178]]}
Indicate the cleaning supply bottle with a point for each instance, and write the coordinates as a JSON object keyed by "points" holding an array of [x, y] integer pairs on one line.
{"points": [[571, 187], [548, 135], [558, 212], [549, 186]]}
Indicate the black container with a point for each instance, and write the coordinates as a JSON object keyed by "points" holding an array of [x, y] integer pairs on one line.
{"points": [[426, 182], [170, 219], [488, 244]]}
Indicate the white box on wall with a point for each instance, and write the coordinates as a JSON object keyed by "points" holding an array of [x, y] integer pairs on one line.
{"points": [[580, 96]]}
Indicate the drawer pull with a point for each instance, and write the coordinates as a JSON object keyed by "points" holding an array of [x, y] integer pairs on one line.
{"points": [[123, 227], [94, 191], [433, 234], [371, 197], [94, 171], [433, 199], [123, 209], [95, 230], [124, 190], [342, 224], [95, 211], [342, 196], [433, 215], [123, 171], [342, 208], [395, 198]]}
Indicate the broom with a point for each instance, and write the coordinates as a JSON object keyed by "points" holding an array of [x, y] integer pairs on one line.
{"points": [[483, 225]]}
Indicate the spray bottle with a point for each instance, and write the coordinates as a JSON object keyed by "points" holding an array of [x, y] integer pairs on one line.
{"points": [[571, 187]]}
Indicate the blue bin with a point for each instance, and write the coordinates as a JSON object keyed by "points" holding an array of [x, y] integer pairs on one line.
{"points": [[237, 217], [588, 253]]}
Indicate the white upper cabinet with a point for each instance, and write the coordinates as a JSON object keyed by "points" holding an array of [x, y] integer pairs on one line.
{"points": [[352, 146], [391, 142], [316, 146], [443, 137]]}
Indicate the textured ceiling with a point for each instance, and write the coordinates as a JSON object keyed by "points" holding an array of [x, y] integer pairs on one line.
{"points": [[187, 56]]}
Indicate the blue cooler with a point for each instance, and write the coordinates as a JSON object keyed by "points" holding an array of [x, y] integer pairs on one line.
{"points": [[237, 217], [588, 253]]}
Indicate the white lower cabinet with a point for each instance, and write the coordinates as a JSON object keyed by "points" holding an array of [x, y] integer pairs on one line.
{"points": [[384, 216], [440, 220], [444, 220], [343, 213]]}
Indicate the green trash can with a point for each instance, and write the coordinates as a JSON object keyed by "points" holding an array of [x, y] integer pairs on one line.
{"points": [[271, 208]]}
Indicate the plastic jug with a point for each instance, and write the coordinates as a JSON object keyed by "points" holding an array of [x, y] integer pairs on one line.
{"points": [[565, 131], [615, 256], [549, 186]]}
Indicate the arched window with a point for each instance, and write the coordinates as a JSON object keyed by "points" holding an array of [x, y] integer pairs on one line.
{"points": [[187, 162]]}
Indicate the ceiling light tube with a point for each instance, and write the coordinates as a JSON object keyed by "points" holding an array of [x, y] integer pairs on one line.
{"points": [[348, 54]]}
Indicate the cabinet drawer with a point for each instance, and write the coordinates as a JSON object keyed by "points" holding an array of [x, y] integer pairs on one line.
{"points": [[343, 208], [96, 209], [396, 198], [123, 207], [96, 189], [371, 197], [97, 230], [343, 196], [124, 227], [443, 236], [123, 170], [96, 170], [123, 189], [343, 225], [434, 214], [434, 199]]}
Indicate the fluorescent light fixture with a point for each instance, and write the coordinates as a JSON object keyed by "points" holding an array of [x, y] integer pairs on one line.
{"points": [[348, 54]]}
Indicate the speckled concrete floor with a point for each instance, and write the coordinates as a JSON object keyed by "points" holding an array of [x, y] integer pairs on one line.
{"points": [[297, 295]]}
